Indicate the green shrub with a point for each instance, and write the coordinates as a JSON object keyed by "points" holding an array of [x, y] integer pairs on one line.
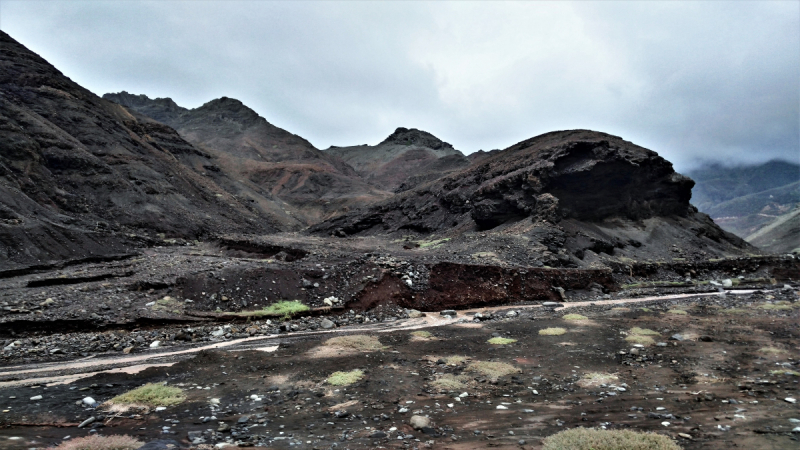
{"points": [[593, 439]]}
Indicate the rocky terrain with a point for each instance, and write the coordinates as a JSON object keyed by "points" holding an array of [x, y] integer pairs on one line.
{"points": [[144, 242], [758, 203], [405, 159]]}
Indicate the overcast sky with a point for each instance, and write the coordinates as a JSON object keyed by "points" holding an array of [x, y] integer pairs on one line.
{"points": [[691, 80]]}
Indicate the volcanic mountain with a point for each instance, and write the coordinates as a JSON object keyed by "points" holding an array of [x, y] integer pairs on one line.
{"points": [[79, 175], [403, 160], [275, 170], [573, 193]]}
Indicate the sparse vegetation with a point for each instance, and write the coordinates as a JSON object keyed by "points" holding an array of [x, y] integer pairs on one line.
{"points": [[554, 331], [433, 243], [772, 350], [637, 339], [574, 317], [100, 442], [492, 370], [456, 360], [679, 312], [448, 382], [359, 342], [785, 372], [422, 334], [594, 439], [168, 304], [150, 395], [777, 306], [501, 341], [644, 332], [734, 311], [283, 308], [345, 378], [597, 378]]}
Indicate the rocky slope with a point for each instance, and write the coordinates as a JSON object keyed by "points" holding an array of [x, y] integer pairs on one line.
{"points": [[277, 172], [572, 194], [79, 175], [405, 159], [756, 202]]}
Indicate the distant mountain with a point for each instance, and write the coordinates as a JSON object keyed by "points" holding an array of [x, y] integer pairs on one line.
{"points": [[756, 202], [405, 159], [276, 172], [79, 176]]}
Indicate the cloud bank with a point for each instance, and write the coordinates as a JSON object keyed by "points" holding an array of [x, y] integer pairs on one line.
{"points": [[695, 81]]}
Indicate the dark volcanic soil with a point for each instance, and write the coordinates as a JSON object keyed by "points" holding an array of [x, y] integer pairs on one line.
{"points": [[716, 384]]}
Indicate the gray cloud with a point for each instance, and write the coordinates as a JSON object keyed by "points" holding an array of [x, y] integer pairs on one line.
{"points": [[692, 80]]}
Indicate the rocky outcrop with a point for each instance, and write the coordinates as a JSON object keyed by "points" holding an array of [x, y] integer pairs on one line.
{"points": [[566, 191], [279, 173], [405, 159], [79, 174]]}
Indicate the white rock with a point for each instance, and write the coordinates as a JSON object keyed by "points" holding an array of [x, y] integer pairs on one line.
{"points": [[796, 430], [502, 407], [402, 410], [155, 344], [327, 302], [790, 400], [419, 422], [150, 304], [409, 283], [223, 445], [88, 421], [463, 394], [161, 408], [89, 401], [214, 401], [218, 332], [727, 283], [450, 405], [666, 424], [535, 392], [36, 397]]}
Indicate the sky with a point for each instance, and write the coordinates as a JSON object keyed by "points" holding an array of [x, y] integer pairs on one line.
{"points": [[695, 81]]}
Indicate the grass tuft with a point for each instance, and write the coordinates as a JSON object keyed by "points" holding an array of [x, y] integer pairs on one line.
{"points": [[359, 342], [283, 308], [448, 382], [456, 360], [501, 341], [555, 331], [574, 317], [637, 339], [734, 311], [594, 439], [785, 372], [772, 350], [643, 332], [492, 370], [100, 442], [422, 334], [151, 394], [345, 378]]}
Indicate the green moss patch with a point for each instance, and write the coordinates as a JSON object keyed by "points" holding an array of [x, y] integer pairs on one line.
{"points": [[574, 317], [554, 331]]}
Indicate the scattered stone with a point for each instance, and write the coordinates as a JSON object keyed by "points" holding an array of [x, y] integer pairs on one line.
{"points": [[244, 419], [326, 324], [413, 314], [676, 337], [685, 436], [790, 400], [155, 344], [89, 401], [36, 397], [448, 312], [127, 350], [502, 407], [88, 421], [727, 283]]}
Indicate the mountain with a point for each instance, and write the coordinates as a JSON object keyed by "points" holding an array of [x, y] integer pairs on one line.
{"points": [[567, 191], [756, 202], [79, 175], [277, 172], [407, 158]]}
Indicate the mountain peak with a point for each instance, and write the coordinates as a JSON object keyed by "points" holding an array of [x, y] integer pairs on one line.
{"points": [[413, 136]]}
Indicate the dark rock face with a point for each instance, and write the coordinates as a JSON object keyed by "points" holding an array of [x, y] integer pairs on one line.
{"points": [[583, 175], [405, 159], [279, 173], [78, 173]]}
